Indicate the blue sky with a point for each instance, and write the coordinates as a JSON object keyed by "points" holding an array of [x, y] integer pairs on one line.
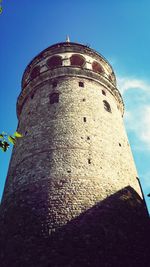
{"points": [[117, 29]]}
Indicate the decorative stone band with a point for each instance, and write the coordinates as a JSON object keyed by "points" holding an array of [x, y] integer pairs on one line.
{"points": [[69, 71]]}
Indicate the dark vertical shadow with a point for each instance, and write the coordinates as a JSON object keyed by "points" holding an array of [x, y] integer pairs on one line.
{"points": [[113, 233]]}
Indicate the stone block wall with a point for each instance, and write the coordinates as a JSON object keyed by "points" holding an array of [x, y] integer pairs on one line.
{"points": [[74, 152]]}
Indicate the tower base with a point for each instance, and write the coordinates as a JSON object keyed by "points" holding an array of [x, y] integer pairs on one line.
{"points": [[112, 233]]}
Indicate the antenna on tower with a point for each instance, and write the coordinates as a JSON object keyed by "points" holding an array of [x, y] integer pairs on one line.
{"points": [[67, 39]]}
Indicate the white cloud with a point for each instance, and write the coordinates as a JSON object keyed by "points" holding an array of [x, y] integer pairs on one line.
{"points": [[136, 94], [139, 122], [145, 131], [126, 83], [137, 118]]}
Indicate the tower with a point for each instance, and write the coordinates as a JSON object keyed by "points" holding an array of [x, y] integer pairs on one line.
{"points": [[74, 158]]}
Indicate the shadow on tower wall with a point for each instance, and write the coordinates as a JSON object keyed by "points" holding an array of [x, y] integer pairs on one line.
{"points": [[113, 233]]}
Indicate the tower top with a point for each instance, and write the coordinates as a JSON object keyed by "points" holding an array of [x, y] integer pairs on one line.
{"points": [[67, 39], [71, 59]]}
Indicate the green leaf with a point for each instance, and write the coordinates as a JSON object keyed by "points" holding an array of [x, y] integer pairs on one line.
{"points": [[1, 136], [5, 146], [1, 9], [11, 139], [18, 135], [1, 144]]}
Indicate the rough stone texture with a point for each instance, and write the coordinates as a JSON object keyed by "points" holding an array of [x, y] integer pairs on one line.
{"points": [[65, 172], [113, 232]]}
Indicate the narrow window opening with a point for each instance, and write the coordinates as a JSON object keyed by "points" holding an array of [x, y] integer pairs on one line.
{"points": [[88, 138], [83, 99], [54, 84], [35, 72], [106, 106], [103, 92], [84, 119], [81, 84], [32, 96], [119, 144], [89, 161], [69, 171], [54, 98]]}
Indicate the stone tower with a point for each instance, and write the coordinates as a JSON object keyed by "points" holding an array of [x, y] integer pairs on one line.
{"points": [[72, 166]]}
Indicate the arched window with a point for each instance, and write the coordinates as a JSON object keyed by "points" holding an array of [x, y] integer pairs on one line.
{"points": [[107, 106], [54, 62], [35, 72], [54, 98], [77, 60], [97, 67], [112, 77]]}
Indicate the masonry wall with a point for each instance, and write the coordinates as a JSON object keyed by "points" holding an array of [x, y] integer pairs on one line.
{"points": [[73, 154], [76, 145]]}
